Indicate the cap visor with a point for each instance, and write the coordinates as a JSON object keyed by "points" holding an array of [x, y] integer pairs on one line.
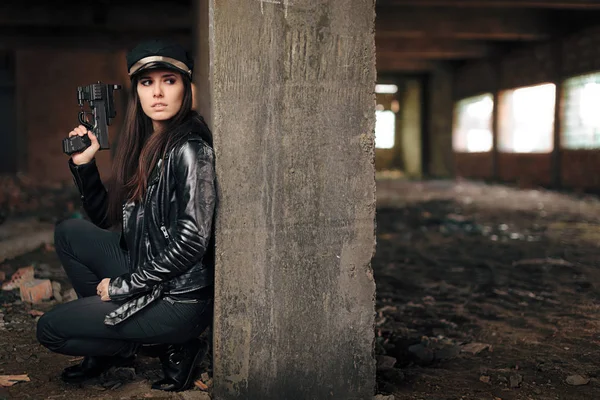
{"points": [[158, 65]]}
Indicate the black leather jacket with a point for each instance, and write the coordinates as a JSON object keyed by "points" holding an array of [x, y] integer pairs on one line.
{"points": [[168, 237]]}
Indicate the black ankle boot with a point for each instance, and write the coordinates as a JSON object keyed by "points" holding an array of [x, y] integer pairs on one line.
{"points": [[154, 351], [92, 367], [178, 365]]}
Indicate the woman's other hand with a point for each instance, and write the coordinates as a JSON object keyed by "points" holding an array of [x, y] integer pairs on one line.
{"points": [[102, 289], [85, 156]]}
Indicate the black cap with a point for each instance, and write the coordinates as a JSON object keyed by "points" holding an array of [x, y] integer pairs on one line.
{"points": [[159, 54]]}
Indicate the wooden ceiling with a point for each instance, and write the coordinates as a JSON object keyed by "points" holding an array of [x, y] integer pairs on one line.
{"points": [[412, 36]]}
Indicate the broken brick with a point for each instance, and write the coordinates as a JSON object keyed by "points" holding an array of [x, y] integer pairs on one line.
{"points": [[36, 290], [21, 276], [36, 313], [201, 385]]}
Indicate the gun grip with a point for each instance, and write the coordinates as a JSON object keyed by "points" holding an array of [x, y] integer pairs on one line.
{"points": [[75, 144]]}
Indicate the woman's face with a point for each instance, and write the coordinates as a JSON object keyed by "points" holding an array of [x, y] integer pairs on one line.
{"points": [[161, 94]]}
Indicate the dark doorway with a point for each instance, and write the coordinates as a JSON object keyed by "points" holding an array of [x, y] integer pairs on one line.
{"points": [[8, 120]]}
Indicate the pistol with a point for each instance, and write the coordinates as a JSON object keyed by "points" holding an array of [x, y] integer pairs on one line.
{"points": [[102, 105]]}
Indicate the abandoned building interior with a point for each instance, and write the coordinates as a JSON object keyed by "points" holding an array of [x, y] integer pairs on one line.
{"points": [[408, 192]]}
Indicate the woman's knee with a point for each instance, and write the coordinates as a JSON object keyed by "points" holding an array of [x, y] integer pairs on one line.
{"points": [[65, 230], [45, 334]]}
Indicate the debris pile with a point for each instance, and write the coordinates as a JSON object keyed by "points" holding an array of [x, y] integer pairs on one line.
{"points": [[34, 286]]}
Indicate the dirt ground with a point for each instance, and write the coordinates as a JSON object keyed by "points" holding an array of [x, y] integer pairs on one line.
{"points": [[486, 292], [483, 292]]}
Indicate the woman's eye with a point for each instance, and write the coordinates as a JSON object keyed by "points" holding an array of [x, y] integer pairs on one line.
{"points": [[170, 81], [146, 82]]}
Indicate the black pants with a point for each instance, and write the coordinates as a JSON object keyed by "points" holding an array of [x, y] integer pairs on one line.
{"points": [[77, 328]]}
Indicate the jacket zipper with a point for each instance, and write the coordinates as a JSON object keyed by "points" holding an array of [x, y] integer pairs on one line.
{"points": [[162, 224], [175, 291], [124, 218], [164, 231], [79, 183]]}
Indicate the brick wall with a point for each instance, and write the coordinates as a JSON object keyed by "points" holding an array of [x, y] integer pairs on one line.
{"points": [[47, 108], [535, 64], [473, 165], [528, 170], [475, 78], [530, 66], [581, 52], [580, 168]]}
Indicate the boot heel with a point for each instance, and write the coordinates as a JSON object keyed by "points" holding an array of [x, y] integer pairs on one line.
{"points": [[178, 364]]}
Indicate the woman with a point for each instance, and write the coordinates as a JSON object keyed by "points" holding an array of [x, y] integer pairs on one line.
{"points": [[152, 283]]}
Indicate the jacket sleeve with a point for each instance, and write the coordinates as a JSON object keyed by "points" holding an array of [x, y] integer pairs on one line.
{"points": [[195, 194], [93, 193]]}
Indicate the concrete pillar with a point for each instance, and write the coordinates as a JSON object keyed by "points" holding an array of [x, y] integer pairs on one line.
{"points": [[411, 128], [292, 97], [556, 169], [441, 105]]}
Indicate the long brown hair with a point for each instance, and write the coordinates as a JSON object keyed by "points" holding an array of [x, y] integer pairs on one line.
{"points": [[139, 149]]}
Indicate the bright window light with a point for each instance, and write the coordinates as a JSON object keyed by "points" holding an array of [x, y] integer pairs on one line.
{"points": [[386, 89], [526, 119], [473, 124], [581, 116], [385, 129]]}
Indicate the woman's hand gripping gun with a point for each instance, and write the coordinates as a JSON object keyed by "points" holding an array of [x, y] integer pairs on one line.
{"points": [[101, 101]]}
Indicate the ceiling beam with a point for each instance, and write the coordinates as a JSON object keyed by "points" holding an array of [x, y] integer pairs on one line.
{"points": [[548, 4], [386, 64], [88, 16], [431, 49], [472, 23], [101, 39]]}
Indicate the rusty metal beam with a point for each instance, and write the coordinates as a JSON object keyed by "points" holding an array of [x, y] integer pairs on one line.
{"points": [[548, 4], [472, 23]]}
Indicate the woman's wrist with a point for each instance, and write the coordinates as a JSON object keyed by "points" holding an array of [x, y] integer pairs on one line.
{"points": [[83, 162]]}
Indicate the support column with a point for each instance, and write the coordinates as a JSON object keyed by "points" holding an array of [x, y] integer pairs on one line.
{"points": [[497, 68], [495, 173], [558, 105], [292, 104], [411, 128], [441, 104]]}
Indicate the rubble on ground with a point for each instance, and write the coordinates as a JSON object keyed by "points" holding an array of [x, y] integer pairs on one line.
{"points": [[479, 286]]}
